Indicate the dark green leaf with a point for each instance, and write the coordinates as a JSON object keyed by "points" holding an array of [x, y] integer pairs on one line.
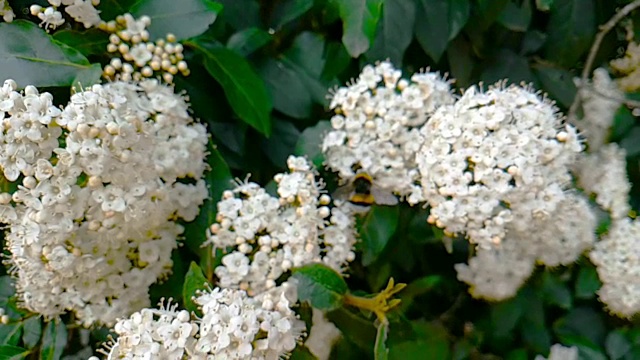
{"points": [[462, 349], [30, 56], [6, 287], [246, 41], [438, 22], [289, 92], [544, 5], [630, 143], [310, 142], [581, 322], [88, 77], [10, 352], [356, 329], [622, 123], [289, 10], [109, 9], [395, 31], [616, 345], [532, 41], [376, 230], [360, 20], [282, 142], [32, 331], [557, 82], [486, 12], [587, 282], [459, 11], [194, 280], [505, 316], [518, 354], [556, 292], [90, 42], [380, 350], [242, 86], [10, 333], [508, 65], [54, 340], [461, 62], [431, 344], [536, 336], [189, 19], [571, 28], [516, 17], [340, 59], [321, 286], [301, 353], [241, 14]]}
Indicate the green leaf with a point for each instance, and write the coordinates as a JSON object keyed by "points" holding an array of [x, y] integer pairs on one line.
{"points": [[290, 94], [359, 20], [617, 345], [555, 291], [54, 340], [340, 59], [32, 331], [571, 28], [516, 17], [630, 143], [246, 41], [623, 121], [581, 322], [110, 9], [88, 77], [439, 21], [518, 354], [587, 282], [10, 333], [431, 344], [10, 352], [395, 31], [289, 10], [30, 56], [301, 352], [532, 41], [380, 350], [376, 229], [557, 82], [544, 5], [508, 65], [486, 12], [461, 62], [90, 42], [194, 280], [506, 315], [244, 89], [191, 18], [241, 14], [310, 142], [321, 286], [282, 142]]}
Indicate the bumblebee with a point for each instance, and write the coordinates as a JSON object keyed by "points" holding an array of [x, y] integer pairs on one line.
{"points": [[361, 191]]}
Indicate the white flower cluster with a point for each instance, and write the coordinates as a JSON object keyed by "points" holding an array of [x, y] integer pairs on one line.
{"points": [[375, 129], [140, 58], [92, 225], [6, 11], [268, 235], [604, 173], [600, 101], [497, 272], [494, 159], [618, 263], [82, 11], [559, 352], [233, 326], [322, 336]]}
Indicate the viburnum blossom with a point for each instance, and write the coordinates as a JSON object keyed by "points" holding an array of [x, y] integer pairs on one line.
{"points": [[495, 159], [233, 326], [375, 129], [322, 335], [93, 223], [265, 235], [82, 11], [618, 264], [6, 11], [559, 352]]}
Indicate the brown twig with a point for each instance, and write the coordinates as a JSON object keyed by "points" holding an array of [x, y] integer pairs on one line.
{"points": [[604, 30]]}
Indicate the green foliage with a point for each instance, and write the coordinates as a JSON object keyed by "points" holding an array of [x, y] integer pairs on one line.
{"points": [[193, 281], [321, 286], [189, 19]]}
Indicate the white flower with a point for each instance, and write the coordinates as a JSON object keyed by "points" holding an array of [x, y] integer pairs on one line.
{"points": [[559, 352], [84, 12]]}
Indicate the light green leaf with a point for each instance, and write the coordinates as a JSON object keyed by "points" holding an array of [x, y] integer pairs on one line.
{"points": [[244, 89], [395, 31], [30, 56], [321, 286], [376, 230], [188, 19], [380, 350], [246, 41], [571, 28], [54, 340], [10, 352], [359, 20], [194, 280]]}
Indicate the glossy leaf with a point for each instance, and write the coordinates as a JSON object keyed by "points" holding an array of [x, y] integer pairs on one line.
{"points": [[587, 282], [32, 331], [571, 28], [89, 42], [194, 280], [290, 94], [109, 9], [395, 31], [241, 14], [289, 10], [53, 341], [360, 19], [310, 142], [246, 41], [438, 22], [189, 19], [380, 350], [321, 286], [10, 333], [376, 230], [30, 56], [10, 352], [244, 89]]}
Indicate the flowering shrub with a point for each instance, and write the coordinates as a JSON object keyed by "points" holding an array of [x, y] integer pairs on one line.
{"points": [[319, 179]]}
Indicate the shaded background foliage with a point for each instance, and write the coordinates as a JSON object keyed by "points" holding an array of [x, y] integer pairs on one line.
{"points": [[260, 71]]}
